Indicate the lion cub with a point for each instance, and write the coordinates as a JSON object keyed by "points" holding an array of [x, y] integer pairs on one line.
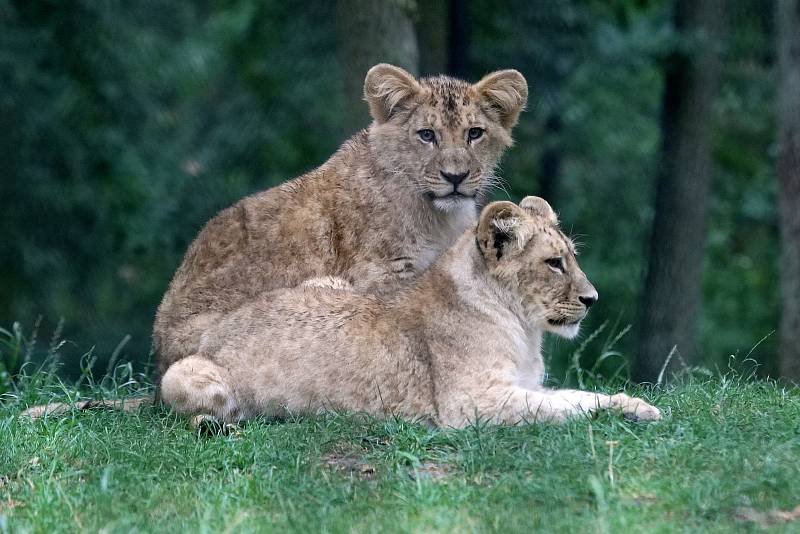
{"points": [[462, 343], [377, 213]]}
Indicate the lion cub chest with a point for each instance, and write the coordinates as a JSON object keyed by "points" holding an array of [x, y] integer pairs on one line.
{"points": [[423, 247]]}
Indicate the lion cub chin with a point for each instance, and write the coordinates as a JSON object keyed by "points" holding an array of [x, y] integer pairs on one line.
{"points": [[461, 344]]}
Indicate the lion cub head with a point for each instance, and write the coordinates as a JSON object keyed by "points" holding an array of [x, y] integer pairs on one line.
{"points": [[443, 136], [528, 254]]}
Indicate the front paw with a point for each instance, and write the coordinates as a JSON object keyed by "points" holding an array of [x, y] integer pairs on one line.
{"points": [[634, 408]]}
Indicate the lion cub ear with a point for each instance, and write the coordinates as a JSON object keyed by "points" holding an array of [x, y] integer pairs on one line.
{"points": [[502, 230], [506, 91], [387, 87], [539, 207]]}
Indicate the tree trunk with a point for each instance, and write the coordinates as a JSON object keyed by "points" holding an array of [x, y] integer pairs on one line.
{"points": [[673, 283], [371, 32], [458, 36], [787, 22], [443, 30], [432, 23]]}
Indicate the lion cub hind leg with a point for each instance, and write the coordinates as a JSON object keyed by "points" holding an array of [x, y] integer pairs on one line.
{"points": [[195, 386]]}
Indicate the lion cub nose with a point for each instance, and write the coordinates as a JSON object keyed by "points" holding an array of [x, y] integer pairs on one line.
{"points": [[588, 300], [454, 179]]}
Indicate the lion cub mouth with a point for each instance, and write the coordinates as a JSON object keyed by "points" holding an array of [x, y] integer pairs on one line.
{"points": [[452, 202], [564, 322], [450, 195]]}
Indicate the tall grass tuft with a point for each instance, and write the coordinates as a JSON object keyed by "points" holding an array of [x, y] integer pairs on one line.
{"points": [[594, 375], [29, 371]]}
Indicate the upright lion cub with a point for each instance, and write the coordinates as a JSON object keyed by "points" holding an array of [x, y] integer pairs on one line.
{"points": [[462, 342], [377, 213]]}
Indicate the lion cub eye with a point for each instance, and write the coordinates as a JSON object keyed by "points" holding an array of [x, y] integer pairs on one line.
{"points": [[427, 135], [475, 133], [556, 263]]}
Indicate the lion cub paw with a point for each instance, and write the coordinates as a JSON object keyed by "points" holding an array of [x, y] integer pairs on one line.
{"points": [[208, 426], [634, 408]]}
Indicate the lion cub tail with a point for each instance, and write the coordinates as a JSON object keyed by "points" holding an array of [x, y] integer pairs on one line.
{"points": [[61, 408]]}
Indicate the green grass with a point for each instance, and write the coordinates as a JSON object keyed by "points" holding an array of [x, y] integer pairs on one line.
{"points": [[726, 454]]}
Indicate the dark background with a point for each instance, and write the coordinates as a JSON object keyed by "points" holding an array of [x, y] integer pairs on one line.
{"points": [[651, 127]]}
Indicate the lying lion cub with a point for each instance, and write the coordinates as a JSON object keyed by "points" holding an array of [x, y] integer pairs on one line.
{"points": [[462, 343]]}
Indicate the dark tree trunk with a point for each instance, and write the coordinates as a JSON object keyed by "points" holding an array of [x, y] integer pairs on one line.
{"points": [[787, 22], [432, 34], [371, 32], [458, 35], [443, 30], [673, 284]]}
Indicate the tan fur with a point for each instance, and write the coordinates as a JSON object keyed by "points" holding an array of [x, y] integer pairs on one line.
{"points": [[461, 343], [375, 215]]}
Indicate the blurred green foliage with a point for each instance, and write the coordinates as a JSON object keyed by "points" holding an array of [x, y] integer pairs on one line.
{"points": [[11, 356], [605, 81], [124, 126]]}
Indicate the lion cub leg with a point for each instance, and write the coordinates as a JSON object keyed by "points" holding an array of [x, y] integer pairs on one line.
{"points": [[511, 405], [507, 405], [521, 404], [195, 386], [588, 402]]}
